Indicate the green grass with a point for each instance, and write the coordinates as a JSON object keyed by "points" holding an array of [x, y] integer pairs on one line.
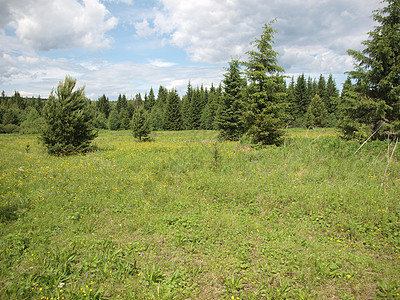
{"points": [[188, 216]]}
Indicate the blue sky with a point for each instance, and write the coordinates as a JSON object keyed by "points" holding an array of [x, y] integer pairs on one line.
{"points": [[129, 46]]}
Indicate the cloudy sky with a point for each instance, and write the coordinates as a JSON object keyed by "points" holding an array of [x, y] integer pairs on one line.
{"points": [[128, 46]]}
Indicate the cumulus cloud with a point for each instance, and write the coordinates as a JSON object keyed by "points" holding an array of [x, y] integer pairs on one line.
{"points": [[143, 29], [60, 24], [213, 31]]}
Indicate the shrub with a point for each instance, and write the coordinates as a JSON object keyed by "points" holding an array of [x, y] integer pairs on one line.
{"points": [[11, 128]]}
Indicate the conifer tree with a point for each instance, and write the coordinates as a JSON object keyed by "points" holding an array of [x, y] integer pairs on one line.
{"points": [[377, 78], [209, 114], [150, 100], [172, 118], [103, 105], [302, 96], [316, 113], [196, 105], [122, 103], [332, 95], [230, 120], [68, 120], [114, 121], [140, 124], [186, 105], [264, 114]]}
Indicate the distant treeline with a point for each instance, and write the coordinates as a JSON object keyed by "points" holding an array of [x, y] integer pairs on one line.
{"points": [[310, 102]]}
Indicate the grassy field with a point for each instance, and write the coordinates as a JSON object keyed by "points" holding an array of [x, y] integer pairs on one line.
{"points": [[188, 217]]}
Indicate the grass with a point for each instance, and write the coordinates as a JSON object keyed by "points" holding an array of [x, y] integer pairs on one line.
{"points": [[187, 216]]}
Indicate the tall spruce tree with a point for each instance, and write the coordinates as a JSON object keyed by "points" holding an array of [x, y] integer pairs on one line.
{"points": [[302, 96], [186, 105], [316, 114], [196, 107], [173, 117], [103, 105], [377, 78], [264, 113], [230, 119], [68, 120], [140, 124]]}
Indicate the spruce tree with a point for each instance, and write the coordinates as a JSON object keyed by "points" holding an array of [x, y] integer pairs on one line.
{"points": [[114, 121], [122, 103], [196, 107], [264, 114], [316, 113], [172, 118], [302, 96], [230, 121], [186, 108], [140, 124], [377, 77], [68, 120], [103, 105], [150, 100]]}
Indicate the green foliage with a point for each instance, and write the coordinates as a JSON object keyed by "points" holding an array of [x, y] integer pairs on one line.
{"points": [[316, 113], [265, 108], [302, 97], [32, 126], [173, 117], [114, 121], [103, 106], [377, 75], [359, 115], [140, 124], [68, 120], [99, 120], [11, 128], [230, 117]]}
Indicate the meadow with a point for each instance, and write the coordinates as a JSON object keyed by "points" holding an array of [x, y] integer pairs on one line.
{"points": [[186, 216]]}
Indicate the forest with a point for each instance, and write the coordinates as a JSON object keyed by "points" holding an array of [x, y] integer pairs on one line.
{"points": [[312, 101]]}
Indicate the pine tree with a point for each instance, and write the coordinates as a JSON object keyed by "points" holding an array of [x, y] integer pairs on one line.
{"points": [[68, 120], [264, 113], [172, 118], [230, 120], [377, 77], [140, 124]]}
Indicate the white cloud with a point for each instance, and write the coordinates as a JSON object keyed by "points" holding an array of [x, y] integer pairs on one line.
{"points": [[143, 29], [214, 30], [161, 63], [60, 24], [128, 2], [41, 74]]}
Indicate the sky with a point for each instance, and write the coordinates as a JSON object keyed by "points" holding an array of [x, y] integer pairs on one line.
{"points": [[126, 47]]}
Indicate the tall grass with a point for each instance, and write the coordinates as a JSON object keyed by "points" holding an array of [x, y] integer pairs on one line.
{"points": [[187, 216]]}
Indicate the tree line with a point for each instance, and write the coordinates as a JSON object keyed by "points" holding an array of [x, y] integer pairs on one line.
{"points": [[200, 108], [253, 100]]}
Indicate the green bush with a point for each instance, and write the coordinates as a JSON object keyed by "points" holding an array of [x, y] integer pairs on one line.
{"points": [[11, 128]]}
